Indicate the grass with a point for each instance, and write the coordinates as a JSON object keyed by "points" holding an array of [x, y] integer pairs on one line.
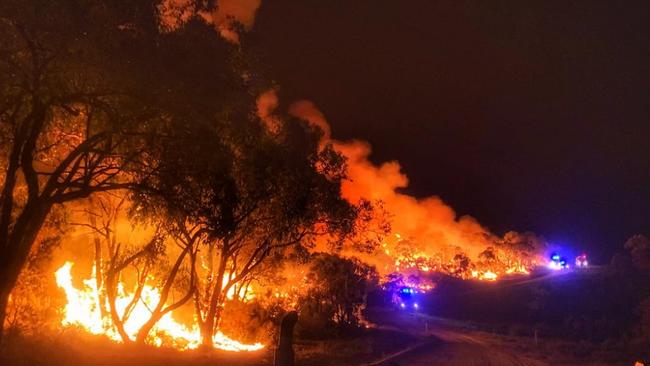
{"points": [[74, 348], [367, 347], [71, 347]]}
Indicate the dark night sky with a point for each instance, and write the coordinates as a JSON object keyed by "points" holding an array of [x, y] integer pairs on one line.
{"points": [[526, 115]]}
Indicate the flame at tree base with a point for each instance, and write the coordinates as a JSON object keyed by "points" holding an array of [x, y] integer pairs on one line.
{"points": [[83, 309]]}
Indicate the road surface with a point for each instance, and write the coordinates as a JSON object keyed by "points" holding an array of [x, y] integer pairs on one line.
{"points": [[451, 343], [452, 348]]}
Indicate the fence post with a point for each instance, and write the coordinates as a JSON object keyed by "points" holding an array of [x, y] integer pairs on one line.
{"points": [[284, 355]]}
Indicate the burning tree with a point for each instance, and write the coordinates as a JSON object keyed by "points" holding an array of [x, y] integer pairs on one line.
{"points": [[246, 194], [86, 90], [141, 262], [100, 97], [63, 125], [520, 250]]}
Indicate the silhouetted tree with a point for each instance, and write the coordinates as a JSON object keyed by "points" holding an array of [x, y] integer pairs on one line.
{"points": [[639, 248], [338, 288], [87, 87], [462, 264]]}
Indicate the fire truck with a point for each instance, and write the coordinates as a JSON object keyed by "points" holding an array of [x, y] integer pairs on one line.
{"points": [[558, 262], [406, 298], [581, 261]]}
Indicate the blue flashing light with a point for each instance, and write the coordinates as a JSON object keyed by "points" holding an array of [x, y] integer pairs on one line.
{"points": [[407, 290], [557, 262]]}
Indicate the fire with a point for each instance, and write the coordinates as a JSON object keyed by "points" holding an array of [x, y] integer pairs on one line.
{"points": [[518, 269], [490, 276], [83, 309], [425, 234], [485, 275], [423, 263]]}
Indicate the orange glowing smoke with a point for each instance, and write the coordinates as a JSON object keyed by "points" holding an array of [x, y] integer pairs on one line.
{"points": [[431, 224], [84, 310], [225, 16], [427, 233]]}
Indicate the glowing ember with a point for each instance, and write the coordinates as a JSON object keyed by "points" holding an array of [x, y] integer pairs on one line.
{"points": [[84, 310]]}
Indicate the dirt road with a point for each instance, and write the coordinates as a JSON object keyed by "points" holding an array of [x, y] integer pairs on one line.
{"points": [[452, 343], [458, 349]]}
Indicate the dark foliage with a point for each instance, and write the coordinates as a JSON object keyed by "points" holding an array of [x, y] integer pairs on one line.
{"points": [[339, 288]]}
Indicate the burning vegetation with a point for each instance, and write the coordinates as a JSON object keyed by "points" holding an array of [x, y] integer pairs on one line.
{"points": [[156, 191], [83, 310]]}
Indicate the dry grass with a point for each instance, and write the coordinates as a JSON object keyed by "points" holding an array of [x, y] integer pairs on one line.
{"points": [[370, 346], [70, 348]]}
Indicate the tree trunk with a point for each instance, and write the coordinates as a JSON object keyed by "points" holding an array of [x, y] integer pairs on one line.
{"points": [[4, 299], [14, 255], [211, 320], [8, 279], [206, 334], [111, 289], [143, 332], [99, 265], [160, 309]]}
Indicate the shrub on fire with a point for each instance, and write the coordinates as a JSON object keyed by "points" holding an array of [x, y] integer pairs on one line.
{"points": [[248, 322]]}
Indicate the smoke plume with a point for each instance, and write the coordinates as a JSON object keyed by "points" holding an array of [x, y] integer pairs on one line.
{"points": [[230, 12], [226, 16], [430, 226]]}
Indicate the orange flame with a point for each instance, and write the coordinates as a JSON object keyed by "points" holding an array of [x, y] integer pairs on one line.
{"points": [[84, 310]]}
